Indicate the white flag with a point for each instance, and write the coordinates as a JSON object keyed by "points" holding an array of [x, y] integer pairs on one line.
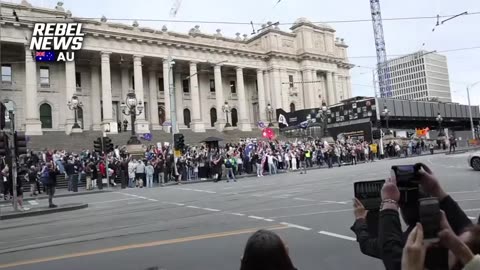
{"points": [[282, 119]]}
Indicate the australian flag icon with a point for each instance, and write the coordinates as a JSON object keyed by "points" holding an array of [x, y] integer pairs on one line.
{"points": [[45, 56]]}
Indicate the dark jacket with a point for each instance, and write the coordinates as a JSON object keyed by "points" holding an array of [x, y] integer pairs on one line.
{"points": [[390, 242], [391, 238]]}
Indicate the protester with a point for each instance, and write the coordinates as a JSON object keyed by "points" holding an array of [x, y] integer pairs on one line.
{"points": [[265, 250]]}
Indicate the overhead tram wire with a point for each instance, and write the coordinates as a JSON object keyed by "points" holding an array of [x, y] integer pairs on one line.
{"points": [[245, 23]]}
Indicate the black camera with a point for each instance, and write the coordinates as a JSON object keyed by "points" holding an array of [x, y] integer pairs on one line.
{"points": [[408, 183]]}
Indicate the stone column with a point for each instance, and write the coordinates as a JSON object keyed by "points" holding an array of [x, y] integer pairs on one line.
{"points": [[336, 88], [349, 86], [242, 101], [152, 86], [141, 125], [276, 89], [197, 123], [268, 92], [95, 97], [179, 100], [285, 89], [262, 104], [330, 89], [70, 89], [219, 99], [107, 93], [308, 89], [33, 126], [125, 77], [166, 92]]}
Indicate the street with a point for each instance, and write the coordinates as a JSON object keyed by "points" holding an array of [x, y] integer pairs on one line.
{"points": [[206, 225]]}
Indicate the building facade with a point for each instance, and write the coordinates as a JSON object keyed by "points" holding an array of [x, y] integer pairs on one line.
{"points": [[291, 70], [420, 76]]}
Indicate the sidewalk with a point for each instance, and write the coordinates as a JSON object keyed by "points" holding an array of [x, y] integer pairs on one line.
{"points": [[59, 193], [37, 209]]}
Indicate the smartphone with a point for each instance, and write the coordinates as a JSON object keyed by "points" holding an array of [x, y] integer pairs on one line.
{"points": [[430, 215], [368, 193], [407, 180]]}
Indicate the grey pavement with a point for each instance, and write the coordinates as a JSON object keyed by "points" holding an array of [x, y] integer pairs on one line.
{"points": [[206, 225]]}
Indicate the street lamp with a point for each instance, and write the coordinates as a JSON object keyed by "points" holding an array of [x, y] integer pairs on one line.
{"points": [[270, 114], [324, 113], [133, 108], [386, 113], [226, 109], [74, 104], [470, 108], [440, 120]]}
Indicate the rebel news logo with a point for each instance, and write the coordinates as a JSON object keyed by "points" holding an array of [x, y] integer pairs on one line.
{"points": [[56, 42]]}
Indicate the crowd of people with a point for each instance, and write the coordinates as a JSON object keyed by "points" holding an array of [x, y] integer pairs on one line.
{"points": [[205, 161]]}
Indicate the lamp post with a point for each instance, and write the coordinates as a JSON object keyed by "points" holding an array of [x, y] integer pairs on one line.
{"points": [[226, 109], [386, 113], [270, 114], [470, 108], [133, 108], [324, 113], [74, 104], [440, 120]]}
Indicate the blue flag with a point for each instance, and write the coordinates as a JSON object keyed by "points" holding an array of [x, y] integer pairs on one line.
{"points": [[250, 147], [147, 136], [45, 56]]}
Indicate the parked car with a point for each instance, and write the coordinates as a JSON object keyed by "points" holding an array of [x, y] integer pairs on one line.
{"points": [[474, 161]]}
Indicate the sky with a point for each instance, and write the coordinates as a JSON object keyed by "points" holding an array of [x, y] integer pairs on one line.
{"points": [[401, 37]]}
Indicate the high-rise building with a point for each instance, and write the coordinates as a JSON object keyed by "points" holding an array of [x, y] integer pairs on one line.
{"points": [[419, 76]]}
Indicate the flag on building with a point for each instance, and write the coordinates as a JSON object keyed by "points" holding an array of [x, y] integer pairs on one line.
{"points": [[147, 136], [282, 120], [261, 125]]}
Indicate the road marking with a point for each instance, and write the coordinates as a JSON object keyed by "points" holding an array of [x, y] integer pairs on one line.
{"points": [[211, 209], [472, 218], [141, 197], [337, 235], [467, 200], [303, 199], [136, 246], [334, 202], [286, 207], [269, 220], [194, 207], [281, 197], [466, 191], [119, 200], [255, 217], [315, 213], [295, 226], [33, 202], [237, 214], [152, 200]]}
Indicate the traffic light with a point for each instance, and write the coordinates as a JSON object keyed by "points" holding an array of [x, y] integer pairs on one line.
{"points": [[107, 145], [97, 145], [20, 140], [3, 144], [3, 109], [179, 141], [376, 134]]}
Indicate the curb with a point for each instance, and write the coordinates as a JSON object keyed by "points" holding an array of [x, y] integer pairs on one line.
{"points": [[45, 211], [57, 196]]}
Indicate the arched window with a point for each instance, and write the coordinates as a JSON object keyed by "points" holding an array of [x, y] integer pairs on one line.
{"points": [[213, 116], [234, 117], [186, 117], [46, 115], [292, 107], [80, 117], [161, 113]]}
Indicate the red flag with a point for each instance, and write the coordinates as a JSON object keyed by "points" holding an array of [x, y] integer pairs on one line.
{"points": [[268, 133]]}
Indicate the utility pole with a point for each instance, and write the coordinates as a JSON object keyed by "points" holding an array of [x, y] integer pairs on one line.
{"points": [[173, 111], [377, 109]]}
